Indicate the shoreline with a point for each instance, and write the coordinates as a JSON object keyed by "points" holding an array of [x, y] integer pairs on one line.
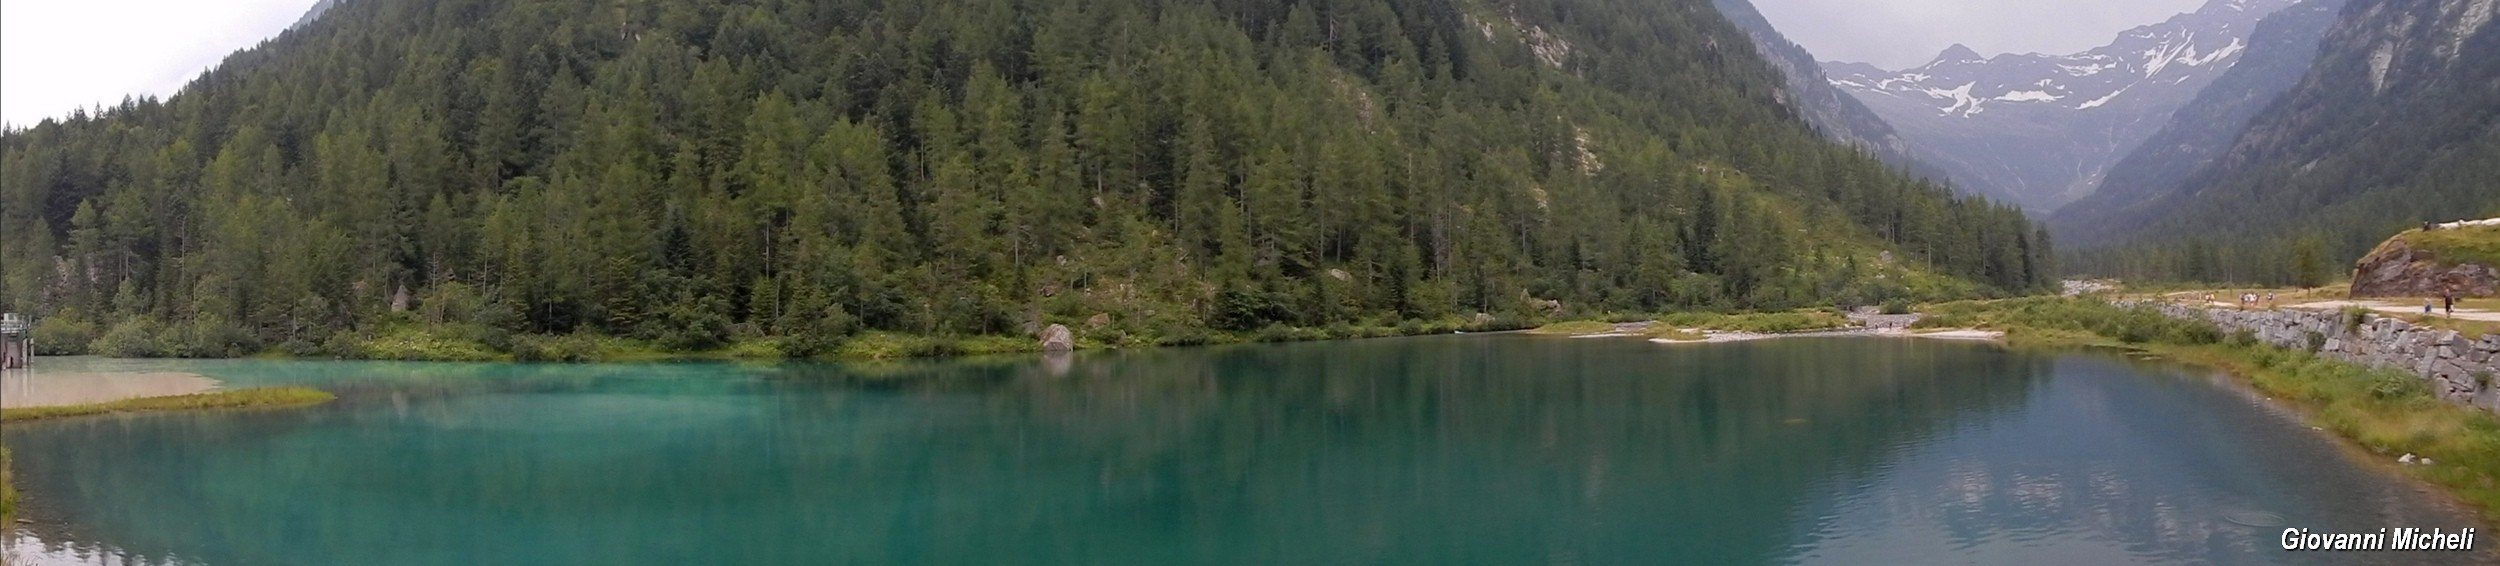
{"points": [[2233, 370], [1953, 334], [2383, 412]]}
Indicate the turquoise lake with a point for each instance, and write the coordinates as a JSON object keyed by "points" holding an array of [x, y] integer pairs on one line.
{"points": [[1486, 449]]}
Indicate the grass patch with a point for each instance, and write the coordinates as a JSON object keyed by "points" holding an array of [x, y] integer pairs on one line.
{"points": [[2466, 327], [1664, 332], [2479, 244], [1759, 323], [2052, 321], [8, 492], [1575, 328], [259, 397]]}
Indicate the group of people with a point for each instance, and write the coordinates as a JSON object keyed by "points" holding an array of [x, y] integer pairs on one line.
{"points": [[2448, 302], [2252, 300], [2249, 300]]}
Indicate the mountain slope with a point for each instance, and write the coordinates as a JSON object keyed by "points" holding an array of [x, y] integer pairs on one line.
{"points": [[314, 13], [692, 172], [2392, 126], [2041, 130], [2280, 53], [1839, 116]]}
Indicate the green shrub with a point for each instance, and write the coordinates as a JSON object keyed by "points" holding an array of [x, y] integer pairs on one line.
{"points": [[560, 348], [2391, 385], [136, 337], [1244, 308], [64, 334], [454, 342]]}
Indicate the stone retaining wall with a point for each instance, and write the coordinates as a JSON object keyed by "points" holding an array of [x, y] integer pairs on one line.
{"points": [[2461, 369]]}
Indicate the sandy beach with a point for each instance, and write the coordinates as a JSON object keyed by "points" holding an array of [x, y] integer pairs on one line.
{"points": [[21, 389], [1962, 334]]}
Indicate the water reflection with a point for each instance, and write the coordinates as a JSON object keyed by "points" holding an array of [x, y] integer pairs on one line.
{"points": [[1436, 450], [24, 547]]}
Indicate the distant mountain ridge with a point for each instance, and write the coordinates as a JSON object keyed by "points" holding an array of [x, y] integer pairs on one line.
{"points": [[2283, 47], [2041, 130], [2391, 126], [314, 13], [1813, 97]]}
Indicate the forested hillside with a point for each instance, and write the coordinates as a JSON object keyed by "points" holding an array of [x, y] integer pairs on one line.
{"points": [[698, 172], [2390, 127]]}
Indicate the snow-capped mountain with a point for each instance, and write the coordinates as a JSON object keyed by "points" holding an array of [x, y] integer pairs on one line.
{"points": [[2154, 177], [2040, 130]]}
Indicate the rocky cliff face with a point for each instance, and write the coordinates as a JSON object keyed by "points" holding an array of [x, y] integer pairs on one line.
{"points": [[1811, 95], [2400, 269], [2041, 130]]}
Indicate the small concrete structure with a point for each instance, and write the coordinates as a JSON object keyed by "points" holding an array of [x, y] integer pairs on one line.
{"points": [[16, 346]]}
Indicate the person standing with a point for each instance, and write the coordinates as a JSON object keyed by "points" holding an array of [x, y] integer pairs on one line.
{"points": [[2449, 302]]}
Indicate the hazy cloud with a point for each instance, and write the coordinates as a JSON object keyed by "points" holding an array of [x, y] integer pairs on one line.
{"points": [[1896, 34], [61, 55]]}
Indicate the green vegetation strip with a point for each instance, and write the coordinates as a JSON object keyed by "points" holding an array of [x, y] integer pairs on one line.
{"points": [[1759, 323], [1575, 328], [8, 491], [2479, 244], [1686, 325], [2389, 412], [261, 397]]}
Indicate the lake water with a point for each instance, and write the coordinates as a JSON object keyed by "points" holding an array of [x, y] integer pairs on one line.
{"points": [[1500, 449]]}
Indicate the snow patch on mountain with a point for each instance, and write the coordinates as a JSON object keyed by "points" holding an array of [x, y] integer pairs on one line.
{"points": [[1962, 101], [2470, 21], [2028, 96], [2097, 102], [1959, 81]]}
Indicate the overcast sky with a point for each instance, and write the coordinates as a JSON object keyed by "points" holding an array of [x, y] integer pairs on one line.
{"points": [[1898, 34], [61, 55]]}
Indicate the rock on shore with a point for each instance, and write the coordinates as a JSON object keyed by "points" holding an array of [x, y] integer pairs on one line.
{"points": [[2400, 269]]}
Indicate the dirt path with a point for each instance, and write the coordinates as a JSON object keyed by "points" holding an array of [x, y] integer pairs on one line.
{"points": [[2398, 307]]}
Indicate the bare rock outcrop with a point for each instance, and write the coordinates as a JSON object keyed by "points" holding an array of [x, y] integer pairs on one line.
{"points": [[2399, 269], [1057, 338]]}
